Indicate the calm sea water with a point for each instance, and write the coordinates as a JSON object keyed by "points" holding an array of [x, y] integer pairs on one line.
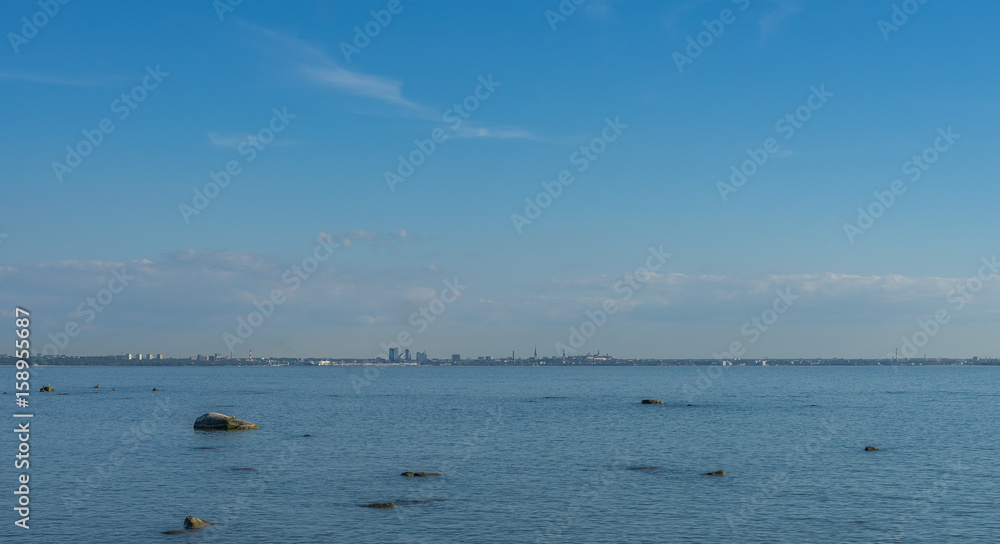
{"points": [[122, 466]]}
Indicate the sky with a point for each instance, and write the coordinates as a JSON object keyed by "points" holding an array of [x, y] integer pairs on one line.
{"points": [[679, 179]]}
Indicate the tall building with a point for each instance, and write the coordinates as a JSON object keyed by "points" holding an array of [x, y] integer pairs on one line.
{"points": [[392, 354], [421, 356], [456, 357], [140, 356], [406, 355]]}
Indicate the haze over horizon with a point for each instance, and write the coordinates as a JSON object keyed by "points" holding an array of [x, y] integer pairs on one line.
{"points": [[492, 179]]}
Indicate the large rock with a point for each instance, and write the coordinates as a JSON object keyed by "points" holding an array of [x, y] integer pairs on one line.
{"points": [[192, 522], [419, 474], [716, 473], [651, 401], [47, 389], [871, 448], [214, 421]]}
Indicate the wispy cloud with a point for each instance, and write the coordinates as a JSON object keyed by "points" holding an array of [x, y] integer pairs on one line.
{"points": [[316, 67], [383, 239], [52, 80]]}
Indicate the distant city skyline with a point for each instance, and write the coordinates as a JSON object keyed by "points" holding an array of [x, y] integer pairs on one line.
{"points": [[756, 178]]}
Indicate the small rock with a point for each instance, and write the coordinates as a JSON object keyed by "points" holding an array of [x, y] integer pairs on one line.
{"points": [[813, 405], [192, 522], [690, 404], [871, 448], [174, 532], [651, 401], [98, 386], [47, 389], [716, 473], [420, 474], [214, 421], [62, 393], [379, 505], [155, 389], [306, 436]]}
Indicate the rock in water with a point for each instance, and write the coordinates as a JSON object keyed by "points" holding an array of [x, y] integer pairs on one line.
{"points": [[175, 532], [871, 448], [420, 474], [192, 522], [47, 389], [379, 505], [716, 473], [651, 401], [214, 421]]}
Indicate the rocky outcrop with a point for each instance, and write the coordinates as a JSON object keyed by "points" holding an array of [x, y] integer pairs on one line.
{"points": [[47, 389], [871, 448], [651, 401], [192, 522], [419, 474], [716, 473], [379, 505], [214, 421]]}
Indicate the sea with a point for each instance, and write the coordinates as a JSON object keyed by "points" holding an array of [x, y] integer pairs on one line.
{"points": [[526, 454]]}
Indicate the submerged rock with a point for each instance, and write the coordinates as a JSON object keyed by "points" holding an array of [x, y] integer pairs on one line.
{"points": [[651, 401], [379, 505], [213, 421], [98, 386], [419, 474], [47, 389], [871, 448], [175, 532], [192, 522], [642, 468], [716, 473]]}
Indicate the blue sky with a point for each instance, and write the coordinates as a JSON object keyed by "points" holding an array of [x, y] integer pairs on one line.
{"points": [[554, 84]]}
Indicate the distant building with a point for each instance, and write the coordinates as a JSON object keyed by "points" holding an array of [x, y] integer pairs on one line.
{"points": [[140, 356], [159, 356], [406, 355], [392, 354], [129, 356], [456, 357], [421, 356]]}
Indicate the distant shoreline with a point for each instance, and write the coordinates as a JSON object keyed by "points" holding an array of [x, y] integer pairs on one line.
{"points": [[77, 362]]}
